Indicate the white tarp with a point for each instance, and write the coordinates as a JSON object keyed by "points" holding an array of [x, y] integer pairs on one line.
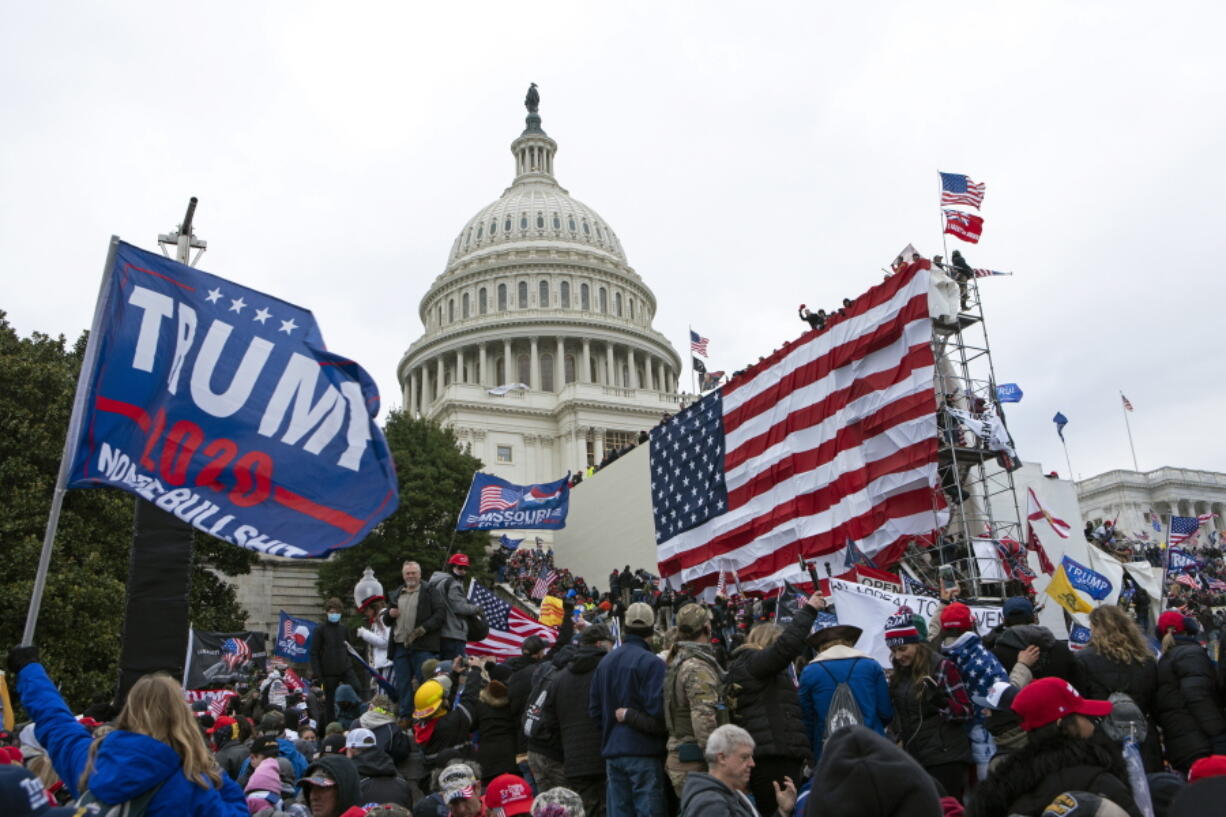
{"points": [[499, 391], [987, 561], [868, 608]]}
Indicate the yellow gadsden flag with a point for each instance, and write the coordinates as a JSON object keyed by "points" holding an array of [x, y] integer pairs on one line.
{"points": [[551, 611], [1066, 595]]}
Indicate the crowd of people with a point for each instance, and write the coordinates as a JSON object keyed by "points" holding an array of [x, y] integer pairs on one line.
{"points": [[650, 703]]}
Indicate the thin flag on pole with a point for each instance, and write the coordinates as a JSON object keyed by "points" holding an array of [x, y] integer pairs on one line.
{"points": [[698, 344], [1061, 421], [959, 189], [1127, 403]]}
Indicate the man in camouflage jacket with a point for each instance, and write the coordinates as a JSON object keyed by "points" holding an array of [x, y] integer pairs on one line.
{"points": [[693, 707]]}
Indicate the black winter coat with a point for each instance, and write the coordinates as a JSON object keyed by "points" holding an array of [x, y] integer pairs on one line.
{"points": [[1055, 657], [430, 615], [230, 757], [1028, 779], [1098, 676], [519, 686], [566, 706], [497, 728], [1189, 704], [378, 780], [523, 671], [329, 658], [766, 703], [926, 736]]}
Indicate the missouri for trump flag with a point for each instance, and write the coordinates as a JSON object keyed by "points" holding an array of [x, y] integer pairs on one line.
{"points": [[831, 438]]}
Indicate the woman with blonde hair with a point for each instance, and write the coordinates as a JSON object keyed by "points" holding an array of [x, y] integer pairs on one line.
{"points": [[156, 755], [1117, 659]]}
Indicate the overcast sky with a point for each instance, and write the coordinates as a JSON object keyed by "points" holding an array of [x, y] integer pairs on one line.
{"points": [[750, 157]]}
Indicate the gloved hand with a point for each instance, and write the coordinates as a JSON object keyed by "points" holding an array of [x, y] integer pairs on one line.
{"points": [[19, 657], [417, 633]]}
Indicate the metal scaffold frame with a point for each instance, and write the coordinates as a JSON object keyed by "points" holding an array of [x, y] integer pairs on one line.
{"points": [[980, 490]]}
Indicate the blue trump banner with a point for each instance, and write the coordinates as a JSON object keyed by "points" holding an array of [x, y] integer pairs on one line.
{"points": [[294, 638], [220, 404], [494, 503], [1009, 393], [1092, 583]]}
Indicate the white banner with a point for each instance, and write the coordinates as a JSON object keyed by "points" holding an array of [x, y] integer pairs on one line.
{"points": [[987, 560], [868, 608]]}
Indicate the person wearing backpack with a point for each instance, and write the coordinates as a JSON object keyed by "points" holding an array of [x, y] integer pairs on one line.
{"points": [[155, 759], [762, 695], [693, 695], [842, 687]]}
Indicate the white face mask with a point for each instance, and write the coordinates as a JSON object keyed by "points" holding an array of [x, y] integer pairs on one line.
{"points": [[334, 617]]}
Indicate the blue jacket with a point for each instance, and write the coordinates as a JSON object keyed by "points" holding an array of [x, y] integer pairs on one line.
{"points": [[631, 676], [127, 764], [861, 673]]}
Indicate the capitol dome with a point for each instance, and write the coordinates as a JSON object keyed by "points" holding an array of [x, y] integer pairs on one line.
{"points": [[538, 347]]}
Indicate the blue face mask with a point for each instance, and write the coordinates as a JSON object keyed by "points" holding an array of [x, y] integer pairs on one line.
{"points": [[334, 617]]}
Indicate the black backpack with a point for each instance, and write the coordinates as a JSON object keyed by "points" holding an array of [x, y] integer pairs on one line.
{"points": [[536, 725]]}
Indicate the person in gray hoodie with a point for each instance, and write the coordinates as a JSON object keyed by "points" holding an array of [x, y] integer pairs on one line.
{"points": [[450, 585], [720, 791]]}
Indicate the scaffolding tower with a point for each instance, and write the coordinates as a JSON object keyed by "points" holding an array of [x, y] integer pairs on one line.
{"points": [[977, 482]]}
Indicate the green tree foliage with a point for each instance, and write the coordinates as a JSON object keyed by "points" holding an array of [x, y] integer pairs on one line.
{"points": [[81, 618], [434, 476]]}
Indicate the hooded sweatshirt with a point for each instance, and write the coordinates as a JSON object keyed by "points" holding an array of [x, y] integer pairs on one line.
{"points": [[862, 774], [264, 787], [342, 770], [127, 764]]}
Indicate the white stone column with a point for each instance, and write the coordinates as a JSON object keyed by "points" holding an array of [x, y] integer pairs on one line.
{"points": [[483, 377], [441, 381], [507, 364], [534, 365], [426, 396], [611, 373], [459, 366], [649, 372], [559, 365], [598, 446], [634, 375], [585, 373], [411, 408]]}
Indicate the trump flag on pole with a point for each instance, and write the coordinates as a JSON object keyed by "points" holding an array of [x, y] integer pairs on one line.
{"points": [[220, 404], [294, 638], [493, 503]]}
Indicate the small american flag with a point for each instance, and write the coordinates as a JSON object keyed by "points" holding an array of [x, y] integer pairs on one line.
{"points": [[963, 225], [987, 273], [698, 344], [217, 706], [1182, 528], [496, 498], [544, 581], [1127, 403], [509, 626], [959, 189], [235, 652]]}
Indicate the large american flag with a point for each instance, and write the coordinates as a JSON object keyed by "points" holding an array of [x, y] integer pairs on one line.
{"points": [[959, 189], [698, 343], [1183, 528], [833, 437], [496, 498], [509, 626], [963, 225]]}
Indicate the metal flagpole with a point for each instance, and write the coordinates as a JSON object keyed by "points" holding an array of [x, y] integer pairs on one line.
{"points": [[1067, 461], [1128, 426], [693, 374], [941, 215], [70, 440]]}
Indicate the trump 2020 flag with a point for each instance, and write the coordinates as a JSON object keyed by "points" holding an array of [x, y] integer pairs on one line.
{"points": [[294, 638], [494, 503], [220, 404]]}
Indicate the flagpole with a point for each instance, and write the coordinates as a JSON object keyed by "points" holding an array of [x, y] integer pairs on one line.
{"points": [[693, 374], [1128, 426], [1067, 461], [941, 218], [70, 439]]}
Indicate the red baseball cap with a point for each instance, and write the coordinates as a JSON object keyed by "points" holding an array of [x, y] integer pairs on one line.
{"points": [[957, 616], [1171, 620], [460, 559], [224, 722], [1047, 700], [1212, 766], [510, 793]]}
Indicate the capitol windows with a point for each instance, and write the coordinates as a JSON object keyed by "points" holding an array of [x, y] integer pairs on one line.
{"points": [[451, 310], [500, 371], [440, 314], [506, 225], [524, 364], [482, 301], [464, 308], [540, 221], [523, 221], [599, 233], [604, 301], [585, 301], [564, 294], [494, 227], [480, 231], [504, 454], [557, 222], [546, 372], [570, 222], [543, 294], [502, 297], [586, 230], [617, 304], [568, 368], [523, 294], [631, 300]]}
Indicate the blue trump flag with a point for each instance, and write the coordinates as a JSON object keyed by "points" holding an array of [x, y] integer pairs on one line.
{"points": [[1009, 393], [220, 404], [509, 543], [1092, 583], [294, 638], [494, 503], [1061, 421]]}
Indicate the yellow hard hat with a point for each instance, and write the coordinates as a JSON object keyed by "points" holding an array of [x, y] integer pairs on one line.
{"points": [[428, 699]]}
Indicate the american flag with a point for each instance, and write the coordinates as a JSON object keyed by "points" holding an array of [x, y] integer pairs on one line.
{"points": [[1127, 403], [544, 581], [698, 343], [509, 626], [496, 498], [963, 225], [959, 189], [832, 437], [1182, 528], [988, 273], [235, 652]]}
